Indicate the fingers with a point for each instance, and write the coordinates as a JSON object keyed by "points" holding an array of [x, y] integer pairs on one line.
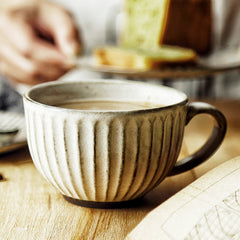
{"points": [[21, 36], [21, 69], [61, 25], [26, 54]]}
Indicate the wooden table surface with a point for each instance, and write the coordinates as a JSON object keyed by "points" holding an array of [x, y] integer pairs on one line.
{"points": [[30, 208]]}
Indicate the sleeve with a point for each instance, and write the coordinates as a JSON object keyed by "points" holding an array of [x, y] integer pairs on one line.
{"points": [[226, 17]]}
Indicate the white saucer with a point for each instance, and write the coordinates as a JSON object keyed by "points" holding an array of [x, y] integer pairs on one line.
{"points": [[10, 120]]}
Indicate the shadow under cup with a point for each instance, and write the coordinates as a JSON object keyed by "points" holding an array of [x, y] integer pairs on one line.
{"points": [[109, 158]]}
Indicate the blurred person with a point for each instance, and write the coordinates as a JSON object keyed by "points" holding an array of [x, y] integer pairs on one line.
{"points": [[38, 39]]}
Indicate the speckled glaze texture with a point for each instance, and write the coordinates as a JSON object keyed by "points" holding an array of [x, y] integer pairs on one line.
{"points": [[115, 158], [106, 156]]}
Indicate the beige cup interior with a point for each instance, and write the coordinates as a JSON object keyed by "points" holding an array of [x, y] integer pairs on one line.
{"points": [[59, 92]]}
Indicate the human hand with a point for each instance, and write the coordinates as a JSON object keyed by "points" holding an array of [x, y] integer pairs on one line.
{"points": [[37, 40]]}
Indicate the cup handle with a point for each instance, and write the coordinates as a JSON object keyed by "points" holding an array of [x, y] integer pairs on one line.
{"points": [[213, 142]]}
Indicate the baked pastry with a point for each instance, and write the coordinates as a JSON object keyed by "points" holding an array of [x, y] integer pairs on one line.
{"points": [[186, 23], [140, 59]]}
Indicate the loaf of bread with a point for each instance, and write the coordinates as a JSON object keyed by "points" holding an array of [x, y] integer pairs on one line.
{"points": [[185, 23], [140, 59]]}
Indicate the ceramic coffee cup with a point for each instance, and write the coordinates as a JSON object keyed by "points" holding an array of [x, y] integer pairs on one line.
{"points": [[106, 158]]}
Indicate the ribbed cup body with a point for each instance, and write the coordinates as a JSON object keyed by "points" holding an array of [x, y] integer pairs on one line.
{"points": [[108, 157]]}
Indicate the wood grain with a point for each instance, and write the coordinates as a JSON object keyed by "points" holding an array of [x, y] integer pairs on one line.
{"points": [[30, 208]]}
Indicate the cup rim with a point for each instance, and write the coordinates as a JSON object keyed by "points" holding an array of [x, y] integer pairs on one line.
{"points": [[27, 97]]}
